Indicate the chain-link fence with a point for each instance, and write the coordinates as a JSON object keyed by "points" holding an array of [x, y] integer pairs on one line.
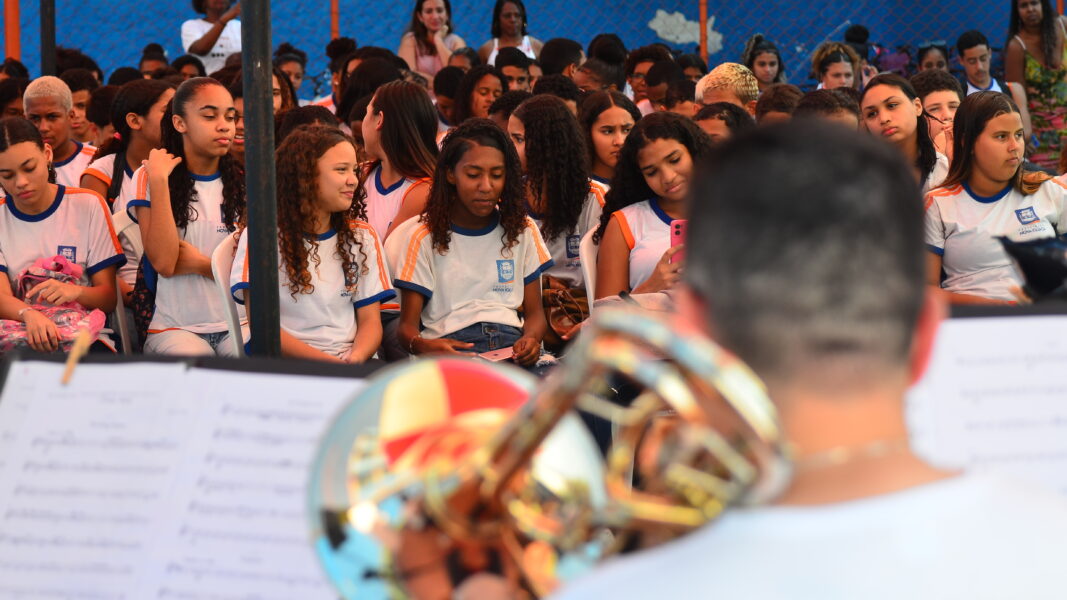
{"points": [[115, 32]]}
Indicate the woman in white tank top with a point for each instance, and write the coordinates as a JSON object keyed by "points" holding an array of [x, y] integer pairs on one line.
{"points": [[400, 135], [509, 31], [648, 192]]}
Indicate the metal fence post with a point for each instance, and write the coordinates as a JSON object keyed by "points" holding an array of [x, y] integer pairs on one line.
{"points": [[257, 75]]}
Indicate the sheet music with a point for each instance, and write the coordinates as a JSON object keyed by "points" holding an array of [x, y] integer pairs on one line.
{"points": [[86, 466], [995, 397], [172, 483], [237, 525]]}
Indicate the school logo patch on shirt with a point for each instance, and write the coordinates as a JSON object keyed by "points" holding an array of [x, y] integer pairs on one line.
{"points": [[573, 242], [505, 271], [68, 252], [1026, 215]]}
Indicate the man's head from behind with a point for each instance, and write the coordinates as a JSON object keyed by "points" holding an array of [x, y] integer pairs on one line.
{"points": [[813, 276]]}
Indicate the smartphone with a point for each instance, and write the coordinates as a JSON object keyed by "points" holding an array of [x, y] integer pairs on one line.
{"points": [[498, 355], [678, 227]]}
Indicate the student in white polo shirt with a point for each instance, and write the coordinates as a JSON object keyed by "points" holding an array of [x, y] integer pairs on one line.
{"points": [[988, 195], [136, 113], [49, 106], [559, 195], [649, 191], [475, 258], [40, 219], [399, 133], [190, 197], [332, 276]]}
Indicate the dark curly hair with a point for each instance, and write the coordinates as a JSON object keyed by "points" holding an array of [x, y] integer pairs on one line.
{"points": [[182, 190], [556, 160], [443, 195], [198, 6], [629, 185], [297, 182], [466, 89]]}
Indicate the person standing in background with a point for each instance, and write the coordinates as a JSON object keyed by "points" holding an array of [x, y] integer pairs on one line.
{"points": [[216, 35]]}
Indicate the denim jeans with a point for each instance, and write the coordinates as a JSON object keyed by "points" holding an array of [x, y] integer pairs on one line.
{"points": [[486, 336]]}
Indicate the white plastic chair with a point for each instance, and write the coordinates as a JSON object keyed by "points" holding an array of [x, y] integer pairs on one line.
{"points": [[587, 251], [125, 228], [221, 263]]}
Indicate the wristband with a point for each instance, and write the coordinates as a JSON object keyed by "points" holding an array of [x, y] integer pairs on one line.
{"points": [[22, 311], [411, 343]]}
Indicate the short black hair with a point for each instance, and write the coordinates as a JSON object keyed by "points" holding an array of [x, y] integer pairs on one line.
{"points": [[71, 58], [663, 71], [80, 79], [935, 80], [446, 82], [558, 85], [512, 57], [607, 73], [99, 110], [12, 67], [780, 97], [123, 75], [822, 265], [471, 54], [189, 59], [337, 50], [508, 102], [678, 91], [198, 6], [608, 47], [826, 102], [736, 118], [686, 61], [651, 53], [559, 53], [970, 39], [304, 115]]}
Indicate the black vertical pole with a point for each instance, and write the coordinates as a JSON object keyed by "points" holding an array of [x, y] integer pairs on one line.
{"points": [[48, 37], [259, 178]]}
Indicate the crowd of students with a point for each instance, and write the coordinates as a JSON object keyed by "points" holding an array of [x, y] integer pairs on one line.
{"points": [[438, 199]]}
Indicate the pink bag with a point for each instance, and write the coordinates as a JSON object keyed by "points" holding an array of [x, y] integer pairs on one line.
{"points": [[70, 318]]}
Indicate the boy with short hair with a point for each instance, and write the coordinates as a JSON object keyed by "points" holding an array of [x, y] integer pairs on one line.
{"points": [[49, 106]]}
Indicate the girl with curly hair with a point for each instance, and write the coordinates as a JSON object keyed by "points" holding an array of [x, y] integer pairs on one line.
{"points": [[606, 118], [474, 258], [559, 196], [834, 65], [400, 136], [332, 272], [648, 192], [190, 195]]}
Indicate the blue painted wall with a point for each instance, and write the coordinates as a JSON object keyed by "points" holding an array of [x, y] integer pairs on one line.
{"points": [[114, 32]]}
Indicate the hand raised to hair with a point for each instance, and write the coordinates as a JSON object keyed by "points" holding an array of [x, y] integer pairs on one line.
{"points": [[160, 163], [233, 13]]}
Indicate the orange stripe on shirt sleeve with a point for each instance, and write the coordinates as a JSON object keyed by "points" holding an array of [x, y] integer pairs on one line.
{"points": [[412, 257], [377, 249], [107, 215], [142, 185], [98, 174], [598, 193], [624, 225]]}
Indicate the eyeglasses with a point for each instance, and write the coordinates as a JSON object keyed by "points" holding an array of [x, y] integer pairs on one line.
{"points": [[939, 44]]}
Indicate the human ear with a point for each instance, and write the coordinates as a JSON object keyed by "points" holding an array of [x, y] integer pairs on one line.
{"points": [[133, 120], [179, 124]]}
